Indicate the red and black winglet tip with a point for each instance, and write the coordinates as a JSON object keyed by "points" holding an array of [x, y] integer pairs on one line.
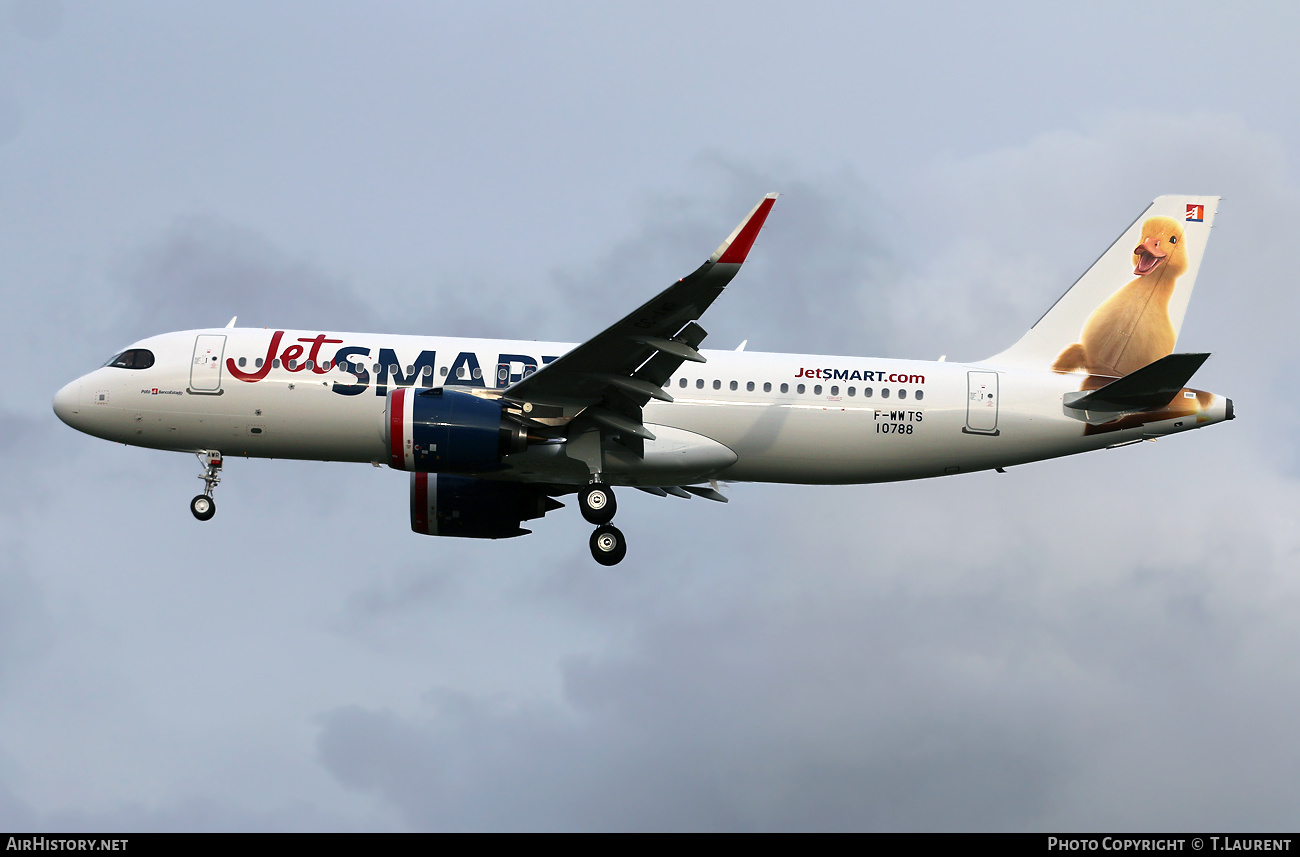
{"points": [[736, 247]]}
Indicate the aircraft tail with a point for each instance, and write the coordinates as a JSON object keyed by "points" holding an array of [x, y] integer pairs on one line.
{"points": [[1126, 311]]}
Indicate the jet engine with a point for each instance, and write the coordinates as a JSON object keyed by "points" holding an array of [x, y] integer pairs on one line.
{"points": [[472, 508], [446, 431]]}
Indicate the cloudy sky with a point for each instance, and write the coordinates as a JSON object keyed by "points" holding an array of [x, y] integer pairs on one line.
{"points": [[1108, 641]]}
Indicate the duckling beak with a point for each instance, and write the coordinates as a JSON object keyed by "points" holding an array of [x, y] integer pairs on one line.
{"points": [[1148, 255]]}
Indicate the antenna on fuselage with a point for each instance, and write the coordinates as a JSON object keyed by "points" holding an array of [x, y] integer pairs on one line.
{"points": [[231, 323]]}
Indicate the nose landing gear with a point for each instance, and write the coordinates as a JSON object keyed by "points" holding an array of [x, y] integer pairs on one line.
{"points": [[203, 506]]}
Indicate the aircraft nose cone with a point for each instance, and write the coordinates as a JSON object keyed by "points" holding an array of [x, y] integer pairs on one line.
{"points": [[67, 402]]}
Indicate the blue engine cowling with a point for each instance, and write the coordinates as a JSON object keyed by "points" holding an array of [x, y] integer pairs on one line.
{"points": [[472, 508], [445, 431]]}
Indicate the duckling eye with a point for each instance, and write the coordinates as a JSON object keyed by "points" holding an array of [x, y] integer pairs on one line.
{"points": [[1173, 239]]}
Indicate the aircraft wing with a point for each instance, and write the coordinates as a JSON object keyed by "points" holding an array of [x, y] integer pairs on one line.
{"points": [[616, 372]]}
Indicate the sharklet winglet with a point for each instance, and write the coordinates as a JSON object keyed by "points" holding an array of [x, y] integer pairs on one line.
{"points": [[734, 250]]}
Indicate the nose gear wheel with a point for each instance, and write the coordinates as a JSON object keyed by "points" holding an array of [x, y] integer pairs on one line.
{"points": [[203, 506]]}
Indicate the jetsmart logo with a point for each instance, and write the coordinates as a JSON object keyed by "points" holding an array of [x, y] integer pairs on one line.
{"points": [[860, 375]]}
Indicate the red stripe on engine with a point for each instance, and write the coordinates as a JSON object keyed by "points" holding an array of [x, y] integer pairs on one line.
{"points": [[396, 443], [420, 503]]}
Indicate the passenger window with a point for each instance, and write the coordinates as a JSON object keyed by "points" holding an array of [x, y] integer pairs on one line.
{"points": [[275, 364], [884, 392], [835, 391], [309, 365], [443, 371], [410, 370], [682, 383], [866, 392], [699, 383], [243, 361], [920, 394], [799, 389], [734, 385], [750, 386], [852, 391], [817, 390], [767, 386], [785, 388], [293, 364], [257, 364], [478, 373], [428, 372], [902, 394], [717, 385]]}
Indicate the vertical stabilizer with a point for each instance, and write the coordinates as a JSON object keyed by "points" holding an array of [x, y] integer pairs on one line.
{"points": [[1126, 311]]}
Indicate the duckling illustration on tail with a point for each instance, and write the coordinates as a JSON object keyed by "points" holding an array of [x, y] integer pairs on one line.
{"points": [[1105, 333], [1131, 328]]}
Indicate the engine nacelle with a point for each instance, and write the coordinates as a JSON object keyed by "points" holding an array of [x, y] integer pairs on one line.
{"points": [[445, 431], [472, 508]]}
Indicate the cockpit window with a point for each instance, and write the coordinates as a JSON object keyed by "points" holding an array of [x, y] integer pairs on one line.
{"points": [[136, 358]]}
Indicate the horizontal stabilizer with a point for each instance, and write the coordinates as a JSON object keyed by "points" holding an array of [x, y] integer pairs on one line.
{"points": [[1153, 386]]}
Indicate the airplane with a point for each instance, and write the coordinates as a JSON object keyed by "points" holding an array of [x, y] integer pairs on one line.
{"points": [[493, 431]]}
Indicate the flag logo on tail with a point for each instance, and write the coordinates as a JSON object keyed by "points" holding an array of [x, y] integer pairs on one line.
{"points": [[1195, 214]]}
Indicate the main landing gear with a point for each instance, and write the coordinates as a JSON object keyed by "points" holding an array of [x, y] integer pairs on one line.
{"points": [[203, 506], [596, 502]]}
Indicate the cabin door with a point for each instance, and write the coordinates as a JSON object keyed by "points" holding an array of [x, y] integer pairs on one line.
{"points": [[981, 403], [205, 371]]}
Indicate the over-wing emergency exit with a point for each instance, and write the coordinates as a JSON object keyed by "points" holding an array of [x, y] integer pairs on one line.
{"points": [[492, 432]]}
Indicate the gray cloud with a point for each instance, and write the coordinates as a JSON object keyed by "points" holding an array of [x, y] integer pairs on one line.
{"points": [[897, 683], [26, 626], [808, 285], [11, 118], [1062, 198], [36, 19], [202, 271], [813, 283]]}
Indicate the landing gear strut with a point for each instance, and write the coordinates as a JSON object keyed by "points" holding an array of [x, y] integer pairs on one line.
{"points": [[203, 506]]}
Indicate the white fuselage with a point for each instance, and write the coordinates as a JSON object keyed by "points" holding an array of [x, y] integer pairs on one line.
{"points": [[837, 419]]}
